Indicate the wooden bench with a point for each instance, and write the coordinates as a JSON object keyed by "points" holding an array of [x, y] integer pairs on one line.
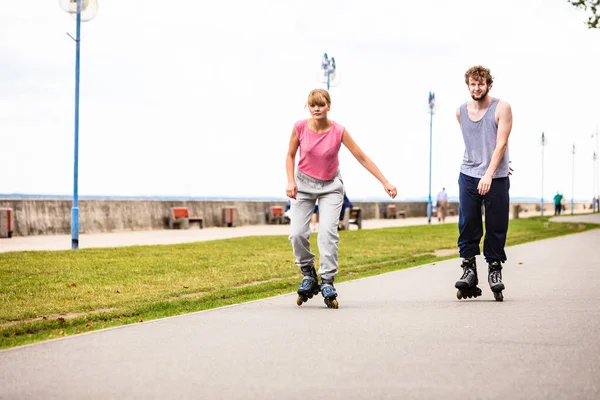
{"points": [[275, 215], [351, 216], [230, 216], [391, 211], [6, 222], [181, 216]]}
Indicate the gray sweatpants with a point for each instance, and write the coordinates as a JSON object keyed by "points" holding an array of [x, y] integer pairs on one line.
{"points": [[331, 196]]}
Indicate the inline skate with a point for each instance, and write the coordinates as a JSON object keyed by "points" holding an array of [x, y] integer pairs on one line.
{"points": [[329, 295], [308, 287], [467, 284], [495, 279]]}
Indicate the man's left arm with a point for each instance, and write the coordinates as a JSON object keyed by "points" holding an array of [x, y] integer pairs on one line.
{"points": [[504, 128]]}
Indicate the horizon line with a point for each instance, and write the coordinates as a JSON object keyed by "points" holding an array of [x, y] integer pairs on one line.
{"points": [[454, 199]]}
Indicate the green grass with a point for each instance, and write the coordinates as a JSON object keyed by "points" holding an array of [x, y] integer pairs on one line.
{"points": [[52, 294]]}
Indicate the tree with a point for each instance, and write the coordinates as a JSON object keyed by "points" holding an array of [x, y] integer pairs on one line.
{"points": [[594, 6]]}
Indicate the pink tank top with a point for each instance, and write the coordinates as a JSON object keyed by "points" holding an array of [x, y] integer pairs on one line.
{"points": [[319, 152]]}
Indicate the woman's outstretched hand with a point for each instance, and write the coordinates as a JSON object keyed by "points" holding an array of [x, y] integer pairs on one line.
{"points": [[390, 190]]}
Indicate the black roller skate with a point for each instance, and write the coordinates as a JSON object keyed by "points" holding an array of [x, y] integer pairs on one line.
{"points": [[329, 295], [308, 287], [467, 284], [495, 279]]}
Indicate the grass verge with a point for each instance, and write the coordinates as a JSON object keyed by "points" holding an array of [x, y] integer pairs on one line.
{"points": [[48, 295]]}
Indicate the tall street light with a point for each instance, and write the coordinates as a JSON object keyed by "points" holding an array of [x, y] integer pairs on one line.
{"points": [[543, 145], [431, 106], [328, 71], [596, 174], [595, 204], [573, 182], [82, 10]]}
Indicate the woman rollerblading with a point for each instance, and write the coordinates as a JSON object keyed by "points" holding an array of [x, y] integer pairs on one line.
{"points": [[318, 178]]}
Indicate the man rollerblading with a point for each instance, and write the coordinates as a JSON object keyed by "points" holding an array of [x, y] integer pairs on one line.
{"points": [[484, 183], [467, 284], [308, 287], [495, 279], [329, 295]]}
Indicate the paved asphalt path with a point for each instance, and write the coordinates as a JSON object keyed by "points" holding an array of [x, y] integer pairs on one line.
{"points": [[401, 335]]}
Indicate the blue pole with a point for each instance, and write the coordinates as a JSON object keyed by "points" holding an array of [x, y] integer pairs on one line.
{"points": [[573, 182], [429, 205], [328, 79], [75, 208], [543, 144], [596, 205], [596, 173]]}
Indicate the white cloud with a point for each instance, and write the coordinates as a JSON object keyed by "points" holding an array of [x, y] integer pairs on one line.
{"points": [[199, 98]]}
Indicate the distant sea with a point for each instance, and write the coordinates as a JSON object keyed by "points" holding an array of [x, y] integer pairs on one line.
{"points": [[22, 196]]}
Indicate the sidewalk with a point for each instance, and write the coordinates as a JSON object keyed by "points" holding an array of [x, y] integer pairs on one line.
{"points": [[134, 238], [173, 236]]}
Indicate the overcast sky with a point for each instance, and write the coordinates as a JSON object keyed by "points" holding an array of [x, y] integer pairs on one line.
{"points": [[198, 98]]}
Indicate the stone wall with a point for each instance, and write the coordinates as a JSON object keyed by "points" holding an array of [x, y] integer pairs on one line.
{"points": [[47, 217]]}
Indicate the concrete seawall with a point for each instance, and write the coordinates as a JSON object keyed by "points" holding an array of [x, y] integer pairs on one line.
{"points": [[49, 217]]}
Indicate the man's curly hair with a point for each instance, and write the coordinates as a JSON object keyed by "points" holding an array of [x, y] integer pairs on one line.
{"points": [[479, 73]]}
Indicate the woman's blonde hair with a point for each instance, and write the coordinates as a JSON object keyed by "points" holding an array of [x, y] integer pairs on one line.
{"points": [[318, 97]]}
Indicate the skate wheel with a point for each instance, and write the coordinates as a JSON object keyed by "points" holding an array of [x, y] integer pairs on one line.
{"points": [[299, 300], [331, 303], [459, 295], [498, 296]]}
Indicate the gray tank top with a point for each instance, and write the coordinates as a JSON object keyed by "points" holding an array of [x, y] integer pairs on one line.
{"points": [[480, 142]]}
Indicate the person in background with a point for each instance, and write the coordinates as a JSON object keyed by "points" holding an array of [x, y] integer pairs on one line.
{"points": [[442, 205], [314, 220], [557, 203], [345, 205]]}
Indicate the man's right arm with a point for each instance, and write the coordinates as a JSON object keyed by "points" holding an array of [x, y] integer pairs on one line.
{"points": [[458, 115]]}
